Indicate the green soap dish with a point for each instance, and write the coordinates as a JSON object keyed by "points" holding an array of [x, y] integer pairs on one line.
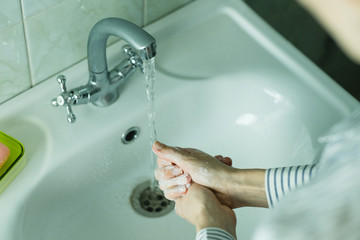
{"points": [[15, 163]]}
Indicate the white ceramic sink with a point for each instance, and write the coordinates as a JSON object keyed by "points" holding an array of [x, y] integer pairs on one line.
{"points": [[226, 83]]}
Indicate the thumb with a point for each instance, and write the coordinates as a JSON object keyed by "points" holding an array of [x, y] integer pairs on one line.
{"points": [[171, 154]]}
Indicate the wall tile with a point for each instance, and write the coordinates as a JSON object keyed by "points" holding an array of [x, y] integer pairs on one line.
{"points": [[57, 37], [155, 9], [14, 70], [10, 13], [32, 7]]}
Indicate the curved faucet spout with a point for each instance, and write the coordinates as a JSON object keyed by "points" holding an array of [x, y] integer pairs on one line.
{"points": [[103, 85], [143, 42]]}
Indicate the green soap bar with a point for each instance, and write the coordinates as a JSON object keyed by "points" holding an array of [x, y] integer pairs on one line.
{"points": [[15, 163]]}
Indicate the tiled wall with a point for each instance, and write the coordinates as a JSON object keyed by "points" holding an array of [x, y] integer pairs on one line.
{"points": [[39, 38]]}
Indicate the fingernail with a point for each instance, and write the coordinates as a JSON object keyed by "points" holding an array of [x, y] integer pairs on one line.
{"points": [[153, 149], [158, 146]]}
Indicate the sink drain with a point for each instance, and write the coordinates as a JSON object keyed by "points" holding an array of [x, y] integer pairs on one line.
{"points": [[130, 135], [150, 203]]}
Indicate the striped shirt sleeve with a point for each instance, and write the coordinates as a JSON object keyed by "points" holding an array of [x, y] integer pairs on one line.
{"points": [[214, 234], [280, 181]]}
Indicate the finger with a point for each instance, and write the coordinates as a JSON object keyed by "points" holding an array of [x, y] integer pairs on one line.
{"points": [[225, 160], [172, 154], [163, 163], [180, 180], [175, 192], [186, 150], [168, 172], [177, 208]]}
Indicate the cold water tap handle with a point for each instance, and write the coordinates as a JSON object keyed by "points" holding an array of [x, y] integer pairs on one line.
{"points": [[61, 79], [133, 57], [64, 99]]}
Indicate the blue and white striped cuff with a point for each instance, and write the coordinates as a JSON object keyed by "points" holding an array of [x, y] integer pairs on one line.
{"points": [[213, 233], [280, 181]]}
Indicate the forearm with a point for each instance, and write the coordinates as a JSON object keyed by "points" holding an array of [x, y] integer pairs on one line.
{"points": [[264, 187], [246, 187]]}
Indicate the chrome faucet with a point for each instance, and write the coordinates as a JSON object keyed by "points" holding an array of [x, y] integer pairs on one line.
{"points": [[102, 88]]}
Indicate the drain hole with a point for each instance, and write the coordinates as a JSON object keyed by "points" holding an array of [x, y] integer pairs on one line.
{"points": [[150, 203], [130, 135]]}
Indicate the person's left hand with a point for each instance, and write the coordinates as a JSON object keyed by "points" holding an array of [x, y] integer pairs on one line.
{"points": [[200, 207], [178, 167]]}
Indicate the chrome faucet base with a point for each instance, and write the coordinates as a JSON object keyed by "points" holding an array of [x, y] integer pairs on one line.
{"points": [[107, 100]]}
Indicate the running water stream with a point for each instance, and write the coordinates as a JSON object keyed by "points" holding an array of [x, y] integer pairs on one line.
{"points": [[149, 71]]}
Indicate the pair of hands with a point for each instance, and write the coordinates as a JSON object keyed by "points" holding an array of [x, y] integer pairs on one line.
{"points": [[205, 188], [197, 183]]}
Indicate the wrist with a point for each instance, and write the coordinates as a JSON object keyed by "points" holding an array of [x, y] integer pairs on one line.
{"points": [[215, 216], [246, 188], [227, 226]]}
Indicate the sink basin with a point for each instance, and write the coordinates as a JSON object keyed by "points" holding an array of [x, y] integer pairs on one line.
{"points": [[226, 83]]}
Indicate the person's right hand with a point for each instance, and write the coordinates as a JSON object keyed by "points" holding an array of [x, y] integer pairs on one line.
{"points": [[201, 208]]}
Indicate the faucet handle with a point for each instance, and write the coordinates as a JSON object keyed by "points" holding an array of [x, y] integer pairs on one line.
{"points": [[70, 115], [64, 99], [128, 50], [61, 79], [133, 57]]}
